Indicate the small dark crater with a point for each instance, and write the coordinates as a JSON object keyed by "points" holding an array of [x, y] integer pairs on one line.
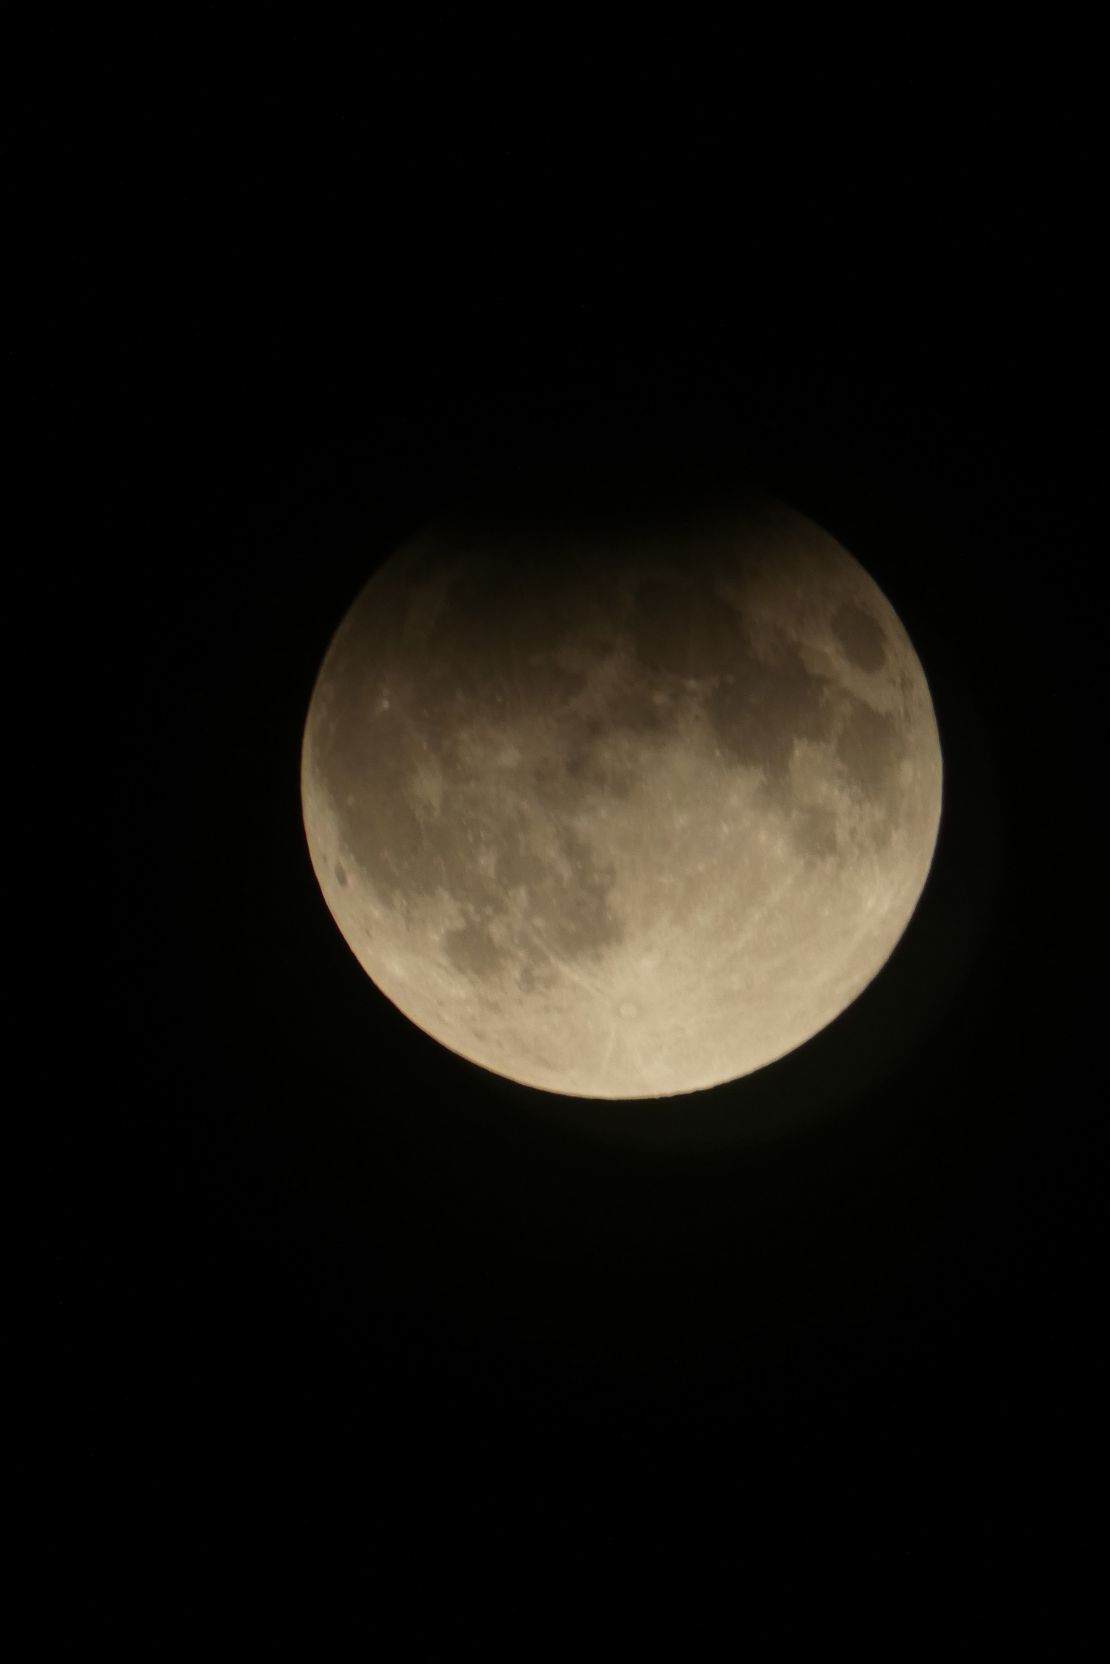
{"points": [[860, 636], [341, 875]]}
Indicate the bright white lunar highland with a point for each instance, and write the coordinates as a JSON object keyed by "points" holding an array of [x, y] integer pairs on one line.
{"points": [[622, 808]]}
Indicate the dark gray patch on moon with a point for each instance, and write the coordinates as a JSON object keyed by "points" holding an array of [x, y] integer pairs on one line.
{"points": [[504, 621], [860, 635], [341, 875], [529, 887], [682, 628], [813, 829], [588, 769], [517, 865], [546, 909], [634, 710], [764, 704], [382, 829], [473, 950], [478, 846], [870, 747]]}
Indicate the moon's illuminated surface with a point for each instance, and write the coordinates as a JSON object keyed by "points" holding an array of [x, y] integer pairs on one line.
{"points": [[624, 813]]}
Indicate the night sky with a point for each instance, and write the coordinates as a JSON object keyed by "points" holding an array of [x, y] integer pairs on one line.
{"points": [[320, 1275]]}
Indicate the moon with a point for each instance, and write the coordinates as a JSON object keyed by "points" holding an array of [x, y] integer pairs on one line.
{"points": [[622, 805]]}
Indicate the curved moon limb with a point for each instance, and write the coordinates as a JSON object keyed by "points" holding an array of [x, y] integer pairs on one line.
{"points": [[627, 813]]}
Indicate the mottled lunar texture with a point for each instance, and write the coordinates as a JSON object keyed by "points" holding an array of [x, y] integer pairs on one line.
{"points": [[623, 807]]}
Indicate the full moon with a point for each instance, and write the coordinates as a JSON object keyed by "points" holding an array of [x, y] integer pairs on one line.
{"points": [[622, 804]]}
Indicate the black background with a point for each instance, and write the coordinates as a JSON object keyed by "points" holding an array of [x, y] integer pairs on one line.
{"points": [[833, 1327]]}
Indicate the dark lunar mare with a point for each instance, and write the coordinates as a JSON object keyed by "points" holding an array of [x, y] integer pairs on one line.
{"points": [[493, 649]]}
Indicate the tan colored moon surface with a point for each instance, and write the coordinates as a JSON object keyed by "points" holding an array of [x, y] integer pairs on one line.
{"points": [[622, 809]]}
